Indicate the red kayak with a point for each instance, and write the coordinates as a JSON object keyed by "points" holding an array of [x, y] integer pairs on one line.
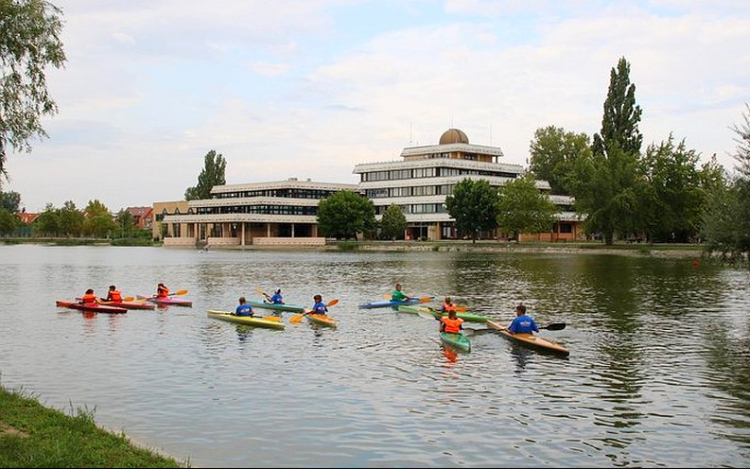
{"points": [[129, 304], [95, 308]]}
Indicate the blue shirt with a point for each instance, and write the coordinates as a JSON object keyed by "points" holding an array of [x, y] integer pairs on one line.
{"points": [[276, 299], [319, 308], [523, 325], [244, 310]]}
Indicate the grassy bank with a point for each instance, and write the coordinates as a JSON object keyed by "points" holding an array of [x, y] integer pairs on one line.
{"points": [[32, 435]]}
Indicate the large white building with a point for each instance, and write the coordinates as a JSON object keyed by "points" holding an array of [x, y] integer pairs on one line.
{"points": [[420, 182], [284, 213]]}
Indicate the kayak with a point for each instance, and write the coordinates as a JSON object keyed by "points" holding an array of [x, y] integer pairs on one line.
{"points": [[468, 317], [129, 304], [170, 300], [457, 341], [392, 303], [531, 340], [321, 320], [96, 308], [276, 306], [248, 320]]}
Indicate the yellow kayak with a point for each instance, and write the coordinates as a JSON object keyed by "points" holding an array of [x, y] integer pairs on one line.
{"points": [[321, 320], [531, 340], [270, 322]]}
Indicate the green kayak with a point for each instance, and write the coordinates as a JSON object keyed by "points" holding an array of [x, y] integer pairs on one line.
{"points": [[468, 317], [457, 341], [276, 306]]}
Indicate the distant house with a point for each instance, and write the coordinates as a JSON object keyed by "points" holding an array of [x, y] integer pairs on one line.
{"points": [[141, 217], [27, 220]]}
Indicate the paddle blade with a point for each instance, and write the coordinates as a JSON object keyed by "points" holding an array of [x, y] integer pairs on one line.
{"points": [[272, 318], [179, 292], [555, 326], [296, 319], [128, 298], [461, 309], [425, 299], [332, 302]]}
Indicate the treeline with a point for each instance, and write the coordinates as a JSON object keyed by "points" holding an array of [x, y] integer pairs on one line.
{"points": [[68, 221]]}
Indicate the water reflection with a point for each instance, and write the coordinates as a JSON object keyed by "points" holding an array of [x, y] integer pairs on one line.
{"points": [[658, 372]]}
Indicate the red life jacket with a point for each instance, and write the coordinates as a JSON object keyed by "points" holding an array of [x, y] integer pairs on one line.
{"points": [[115, 296], [89, 299], [162, 292], [452, 325]]}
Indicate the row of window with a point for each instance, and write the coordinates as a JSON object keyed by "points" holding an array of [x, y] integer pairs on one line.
{"points": [[419, 173], [414, 208], [258, 209], [414, 191], [284, 193]]}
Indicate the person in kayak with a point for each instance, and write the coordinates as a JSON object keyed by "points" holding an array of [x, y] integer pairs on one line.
{"points": [[448, 305], [319, 307], [113, 295], [523, 323], [244, 309], [162, 291], [398, 295], [451, 324], [276, 298], [89, 298]]}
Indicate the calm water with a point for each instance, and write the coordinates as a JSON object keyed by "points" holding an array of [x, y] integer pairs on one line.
{"points": [[658, 375]]}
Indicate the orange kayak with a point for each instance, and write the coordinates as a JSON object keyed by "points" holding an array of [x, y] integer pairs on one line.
{"points": [[95, 308], [321, 320], [531, 340]]}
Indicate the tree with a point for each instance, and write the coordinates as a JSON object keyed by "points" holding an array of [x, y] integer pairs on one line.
{"points": [[126, 222], [522, 208], [344, 214], [621, 114], [393, 223], [553, 155], [473, 205], [607, 185], [742, 155], [10, 201], [212, 175], [8, 221], [29, 42], [48, 222], [71, 219], [98, 220], [674, 195]]}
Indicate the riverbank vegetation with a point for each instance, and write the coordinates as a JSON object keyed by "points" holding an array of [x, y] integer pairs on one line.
{"points": [[32, 435]]}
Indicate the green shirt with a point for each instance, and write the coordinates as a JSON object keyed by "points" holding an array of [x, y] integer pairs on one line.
{"points": [[398, 295]]}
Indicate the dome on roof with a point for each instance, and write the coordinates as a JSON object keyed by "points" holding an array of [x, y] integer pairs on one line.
{"points": [[453, 136]]}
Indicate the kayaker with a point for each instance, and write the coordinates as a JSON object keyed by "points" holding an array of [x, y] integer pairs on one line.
{"points": [[89, 298], [523, 323], [319, 307], [398, 295], [451, 324], [113, 295], [448, 305], [276, 298], [244, 309], [162, 291]]}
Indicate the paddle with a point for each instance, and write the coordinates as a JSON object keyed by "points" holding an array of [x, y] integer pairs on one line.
{"points": [[424, 299], [177, 293], [555, 326], [298, 317], [258, 290]]}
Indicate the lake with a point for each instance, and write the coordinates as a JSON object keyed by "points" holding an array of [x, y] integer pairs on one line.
{"points": [[658, 373]]}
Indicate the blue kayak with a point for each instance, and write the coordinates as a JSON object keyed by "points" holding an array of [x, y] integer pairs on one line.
{"points": [[386, 303]]}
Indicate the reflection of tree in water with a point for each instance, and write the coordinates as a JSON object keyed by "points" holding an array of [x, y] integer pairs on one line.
{"points": [[728, 364]]}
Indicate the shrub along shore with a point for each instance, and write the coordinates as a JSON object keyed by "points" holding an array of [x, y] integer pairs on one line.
{"points": [[32, 435]]}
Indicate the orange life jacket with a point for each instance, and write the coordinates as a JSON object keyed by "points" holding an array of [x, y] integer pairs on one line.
{"points": [[452, 325], [115, 296], [449, 307], [162, 292], [89, 299]]}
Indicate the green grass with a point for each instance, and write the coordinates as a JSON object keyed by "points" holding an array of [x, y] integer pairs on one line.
{"points": [[32, 435]]}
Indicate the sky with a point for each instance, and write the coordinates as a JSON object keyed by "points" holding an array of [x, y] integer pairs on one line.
{"points": [[307, 89]]}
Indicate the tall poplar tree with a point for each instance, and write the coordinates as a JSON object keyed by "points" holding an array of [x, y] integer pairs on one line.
{"points": [[606, 186], [212, 175]]}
